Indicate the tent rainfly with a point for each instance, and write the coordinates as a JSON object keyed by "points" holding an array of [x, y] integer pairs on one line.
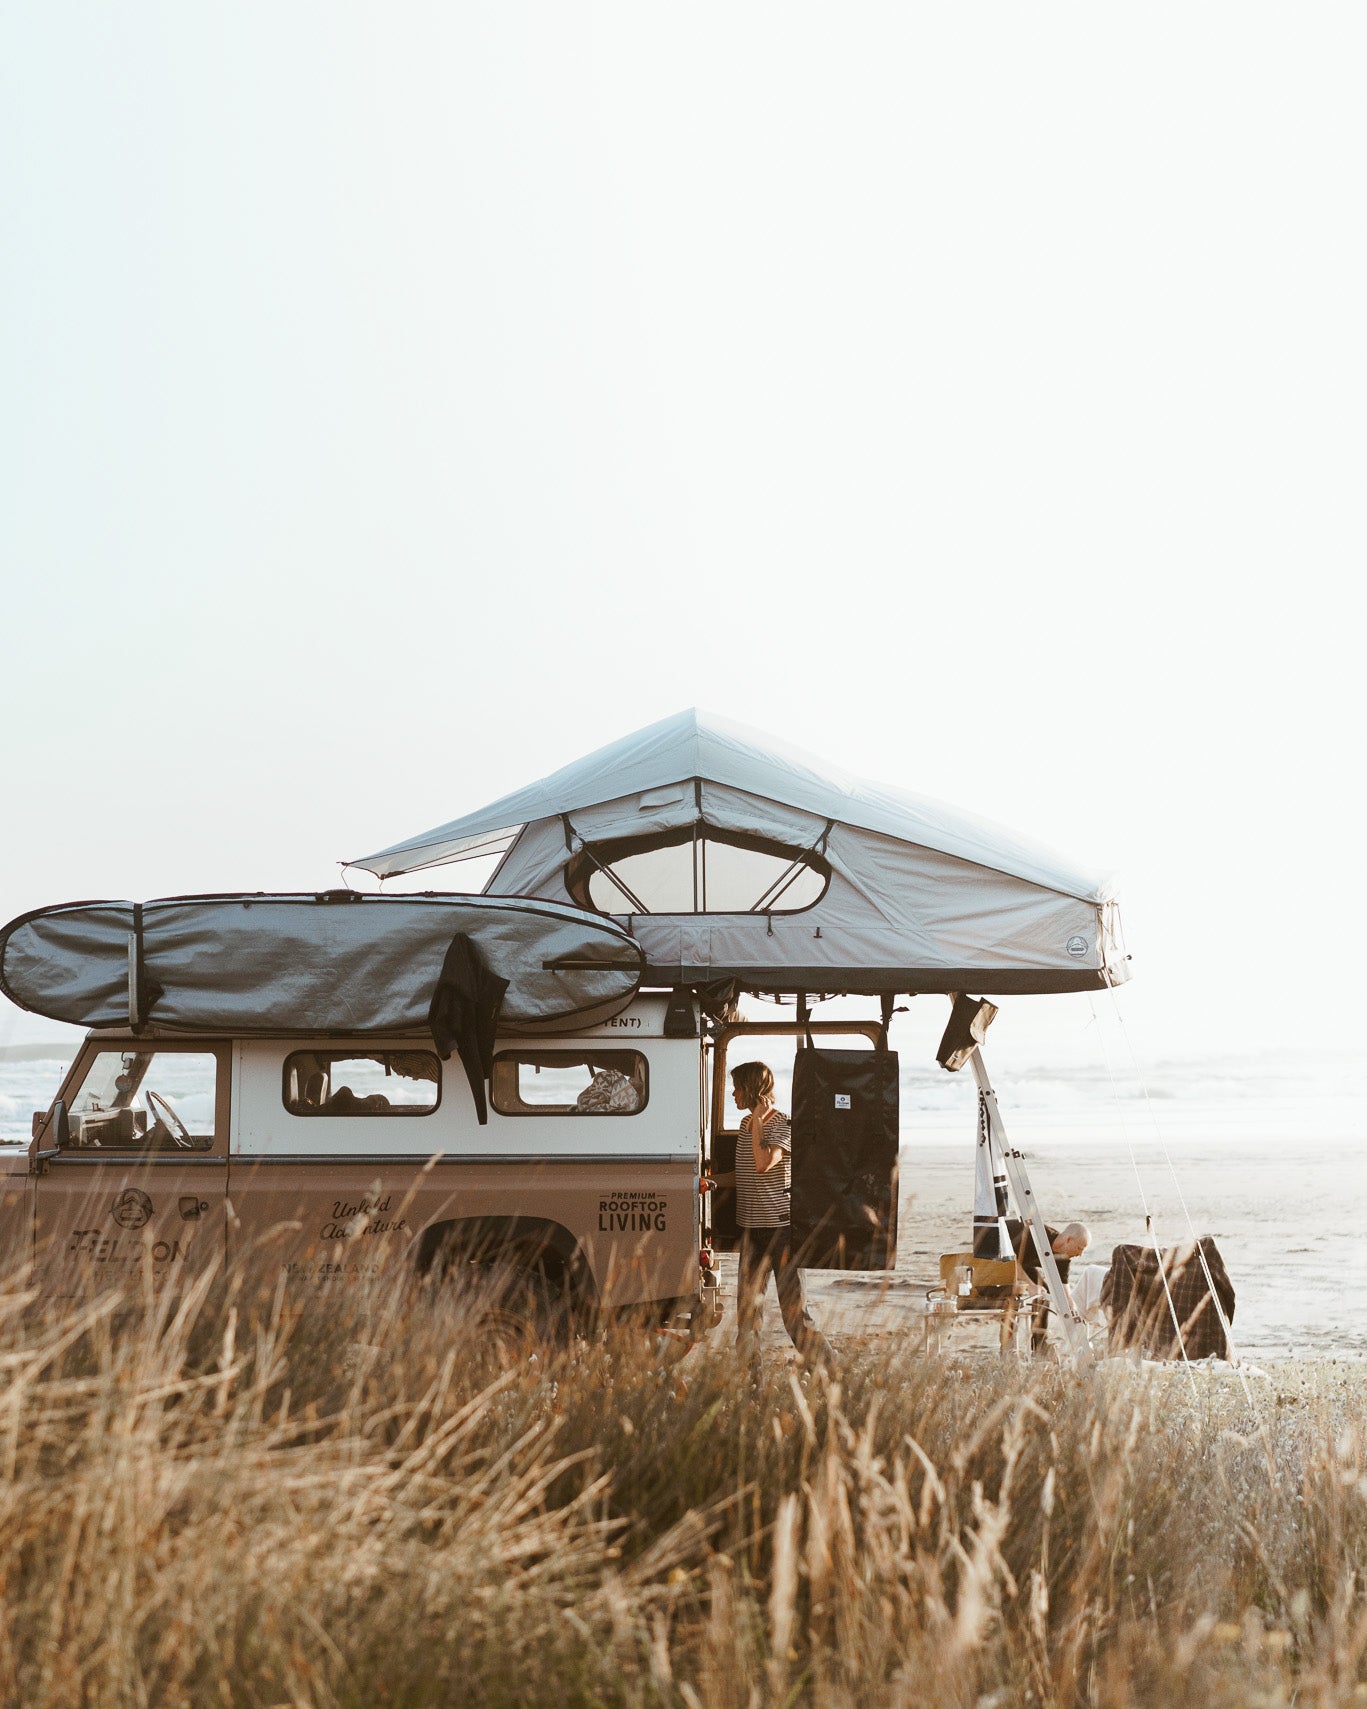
{"points": [[732, 857]]}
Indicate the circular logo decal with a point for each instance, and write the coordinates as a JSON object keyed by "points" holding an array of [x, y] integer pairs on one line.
{"points": [[1077, 948], [132, 1208]]}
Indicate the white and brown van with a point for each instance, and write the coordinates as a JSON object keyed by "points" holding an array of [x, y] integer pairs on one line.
{"points": [[344, 1157], [351, 1155]]}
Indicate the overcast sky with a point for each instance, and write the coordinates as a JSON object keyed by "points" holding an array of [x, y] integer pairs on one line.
{"points": [[398, 402]]}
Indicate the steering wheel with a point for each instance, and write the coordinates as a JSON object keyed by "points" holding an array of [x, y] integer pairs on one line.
{"points": [[170, 1121]]}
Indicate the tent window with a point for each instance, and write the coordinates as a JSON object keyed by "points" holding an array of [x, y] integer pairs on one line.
{"points": [[697, 870]]}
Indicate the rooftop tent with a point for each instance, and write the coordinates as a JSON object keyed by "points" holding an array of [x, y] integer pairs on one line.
{"points": [[730, 855]]}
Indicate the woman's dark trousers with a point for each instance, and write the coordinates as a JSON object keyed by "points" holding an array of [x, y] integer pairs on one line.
{"points": [[763, 1250]]}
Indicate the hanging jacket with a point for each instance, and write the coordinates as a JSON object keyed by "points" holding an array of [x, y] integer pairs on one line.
{"points": [[464, 1014]]}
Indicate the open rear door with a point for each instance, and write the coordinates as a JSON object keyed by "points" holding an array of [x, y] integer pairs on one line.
{"points": [[844, 1179], [781, 1045]]}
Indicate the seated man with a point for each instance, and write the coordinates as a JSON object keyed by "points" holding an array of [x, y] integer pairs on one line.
{"points": [[1065, 1244], [1085, 1286]]}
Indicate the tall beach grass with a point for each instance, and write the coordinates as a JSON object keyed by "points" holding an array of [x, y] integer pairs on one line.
{"points": [[252, 1496]]}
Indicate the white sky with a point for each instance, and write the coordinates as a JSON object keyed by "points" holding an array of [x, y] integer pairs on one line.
{"points": [[398, 402]]}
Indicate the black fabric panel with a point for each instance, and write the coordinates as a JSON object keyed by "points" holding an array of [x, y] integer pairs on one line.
{"points": [[969, 1020], [844, 1170], [464, 1015], [1142, 1309]]}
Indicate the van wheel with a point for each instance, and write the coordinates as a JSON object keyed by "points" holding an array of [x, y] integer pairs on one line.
{"points": [[513, 1313], [520, 1320]]}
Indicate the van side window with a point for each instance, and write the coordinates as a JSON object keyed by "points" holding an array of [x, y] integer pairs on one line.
{"points": [[583, 1082], [362, 1083], [146, 1100]]}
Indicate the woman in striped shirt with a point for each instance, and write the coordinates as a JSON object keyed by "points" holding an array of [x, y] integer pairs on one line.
{"points": [[762, 1177]]}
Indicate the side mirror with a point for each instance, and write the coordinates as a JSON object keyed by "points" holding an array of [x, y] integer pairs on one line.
{"points": [[61, 1125]]}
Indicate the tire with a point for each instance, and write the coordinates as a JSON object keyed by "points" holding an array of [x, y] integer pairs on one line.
{"points": [[511, 1310]]}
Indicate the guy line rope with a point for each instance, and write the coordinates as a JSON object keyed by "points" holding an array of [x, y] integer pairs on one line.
{"points": [[1172, 1170]]}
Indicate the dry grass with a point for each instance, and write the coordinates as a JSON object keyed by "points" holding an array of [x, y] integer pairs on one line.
{"points": [[241, 1499]]}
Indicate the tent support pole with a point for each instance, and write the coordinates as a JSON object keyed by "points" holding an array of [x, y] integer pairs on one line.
{"points": [[1074, 1328]]}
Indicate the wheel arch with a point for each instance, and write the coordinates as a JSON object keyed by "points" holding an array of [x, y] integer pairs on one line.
{"points": [[521, 1241]]}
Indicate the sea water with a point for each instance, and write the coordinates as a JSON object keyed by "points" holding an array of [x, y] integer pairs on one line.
{"points": [[1268, 1156]]}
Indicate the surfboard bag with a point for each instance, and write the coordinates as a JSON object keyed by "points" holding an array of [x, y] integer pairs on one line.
{"points": [[335, 962], [844, 1168]]}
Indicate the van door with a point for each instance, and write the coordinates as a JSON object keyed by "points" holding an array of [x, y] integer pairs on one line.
{"points": [[844, 1176], [139, 1177], [867, 1177]]}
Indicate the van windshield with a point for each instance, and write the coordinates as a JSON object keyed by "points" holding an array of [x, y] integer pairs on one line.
{"points": [[146, 1100]]}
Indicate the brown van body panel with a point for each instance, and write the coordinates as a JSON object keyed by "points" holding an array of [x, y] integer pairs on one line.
{"points": [[630, 1221], [99, 1217], [16, 1208], [100, 1222], [336, 1197]]}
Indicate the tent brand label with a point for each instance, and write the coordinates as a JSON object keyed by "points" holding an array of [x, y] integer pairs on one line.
{"points": [[1077, 948], [842, 1100], [632, 1213]]}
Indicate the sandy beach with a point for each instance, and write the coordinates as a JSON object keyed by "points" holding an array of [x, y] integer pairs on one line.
{"points": [[1288, 1225], [1276, 1171]]}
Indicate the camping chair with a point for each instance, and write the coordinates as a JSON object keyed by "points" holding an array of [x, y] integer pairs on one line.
{"points": [[991, 1293]]}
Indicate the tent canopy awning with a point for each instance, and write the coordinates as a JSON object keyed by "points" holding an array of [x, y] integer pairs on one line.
{"points": [[731, 856], [696, 745]]}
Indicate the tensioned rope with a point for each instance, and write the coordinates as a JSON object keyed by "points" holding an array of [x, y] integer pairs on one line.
{"points": [[1149, 1229], [1176, 1183], [1272, 1467], [1172, 1170]]}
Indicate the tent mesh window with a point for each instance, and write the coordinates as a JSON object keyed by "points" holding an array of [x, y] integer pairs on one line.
{"points": [[696, 870]]}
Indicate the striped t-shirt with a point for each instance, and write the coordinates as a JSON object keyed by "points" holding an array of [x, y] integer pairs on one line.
{"points": [[762, 1200]]}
